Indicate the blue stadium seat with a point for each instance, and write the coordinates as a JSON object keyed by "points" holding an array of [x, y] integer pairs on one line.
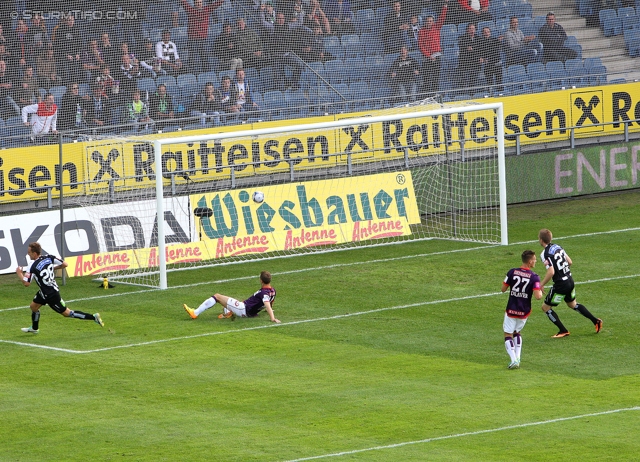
{"points": [[355, 69], [522, 9], [372, 44], [274, 103], [499, 9], [168, 80], [381, 13], [607, 13], [215, 29], [450, 58], [527, 26], [630, 22], [383, 95], [557, 75], [417, 55], [360, 95], [515, 80], [449, 36], [375, 66], [335, 71], [632, 42], [587, 7], [312, 75], [268, 78], [296, 104], [576, 73], [502, 25], [360, 88], [84, 89], [535, 68], [187, 80], [626, 12], [227, 12], [205, 77], [339, 92], [572, 42], [537, 77], [13, 121], [333, 46], [365, 21], [351, 45], [539, 21], [58, 92], [612, 26], [146, 84]]}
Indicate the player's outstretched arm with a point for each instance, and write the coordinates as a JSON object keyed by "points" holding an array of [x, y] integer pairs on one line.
{"points": [[267, 307]]}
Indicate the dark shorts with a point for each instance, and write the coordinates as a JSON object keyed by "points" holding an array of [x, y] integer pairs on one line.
{"points": [[54, 301], [565, 292]]}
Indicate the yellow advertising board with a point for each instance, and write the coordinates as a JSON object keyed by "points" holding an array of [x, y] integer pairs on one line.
{"points": [[120, 161], [292, 216]]}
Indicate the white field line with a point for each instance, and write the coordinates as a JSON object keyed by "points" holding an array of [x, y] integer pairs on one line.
{"points": [[382, 260], [337, 265], [462, 435], [293, 323]]}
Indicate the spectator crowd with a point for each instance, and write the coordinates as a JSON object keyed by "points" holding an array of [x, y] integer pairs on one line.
{"points": [[86, 72]]}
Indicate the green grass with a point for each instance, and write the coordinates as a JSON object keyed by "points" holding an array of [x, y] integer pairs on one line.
{"points": [[382, 354]]}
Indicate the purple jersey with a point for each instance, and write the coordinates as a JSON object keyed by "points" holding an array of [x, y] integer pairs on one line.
{"points": [[255, 303], [522, 283]]}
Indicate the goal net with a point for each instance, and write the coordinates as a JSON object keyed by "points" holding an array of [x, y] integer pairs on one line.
{"points": [[414, 172]]}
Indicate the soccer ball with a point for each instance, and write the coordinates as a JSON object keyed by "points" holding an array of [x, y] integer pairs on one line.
{"points": [[258, 197]]}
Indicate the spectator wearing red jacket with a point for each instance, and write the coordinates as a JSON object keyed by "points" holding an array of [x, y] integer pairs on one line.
{"points": [[470, 11], [429, 45], [198, 31]]}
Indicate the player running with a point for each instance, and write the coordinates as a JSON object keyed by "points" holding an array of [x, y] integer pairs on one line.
{"points": [[42, 272], [250, 308], [558, 265], [523, 283]]}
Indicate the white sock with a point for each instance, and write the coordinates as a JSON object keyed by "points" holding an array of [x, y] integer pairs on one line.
{"points": [[517, 340], [208, 303], [509, 345]]}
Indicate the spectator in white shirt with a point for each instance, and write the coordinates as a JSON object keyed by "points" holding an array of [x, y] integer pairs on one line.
{"points": [[44, 116], [167, 51]]}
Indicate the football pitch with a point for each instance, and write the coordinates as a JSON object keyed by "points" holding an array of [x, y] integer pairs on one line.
{"points": [[393, 353]]}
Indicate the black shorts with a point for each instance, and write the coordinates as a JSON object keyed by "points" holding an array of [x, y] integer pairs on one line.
{"points": [[565, 292], [54, 301]]}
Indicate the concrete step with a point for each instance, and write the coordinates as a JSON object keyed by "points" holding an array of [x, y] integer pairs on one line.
{"points": [[617, 66], [610, 50], [586, 33], [606, 46]]}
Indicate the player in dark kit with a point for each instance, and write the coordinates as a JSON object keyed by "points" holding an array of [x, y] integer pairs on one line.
{"points": [[558, 265], [250, 308], [42, 272], [523, 284]]}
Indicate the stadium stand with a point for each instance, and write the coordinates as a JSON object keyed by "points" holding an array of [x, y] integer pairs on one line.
{"points": [[350, 72]]}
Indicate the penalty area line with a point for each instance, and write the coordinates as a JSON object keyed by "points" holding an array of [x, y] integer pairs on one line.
{"points": [[462, 435]]}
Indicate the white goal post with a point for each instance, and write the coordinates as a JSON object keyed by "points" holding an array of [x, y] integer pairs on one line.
{"points": [[419, 171]]}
